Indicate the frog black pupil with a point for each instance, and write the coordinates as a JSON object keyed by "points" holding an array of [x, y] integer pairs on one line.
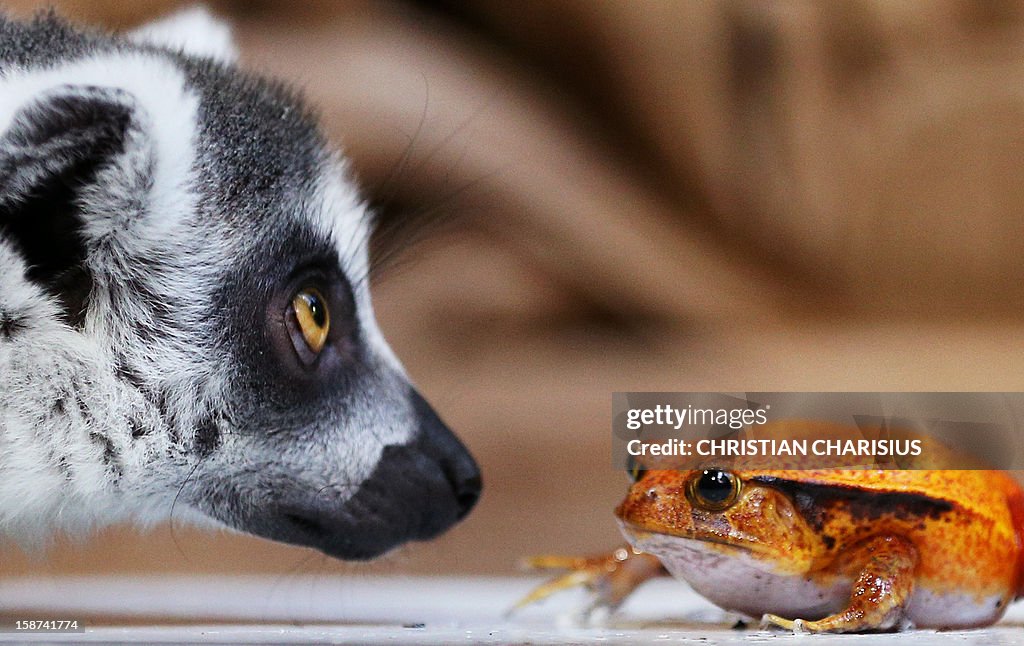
{"points": [[715, 485]]}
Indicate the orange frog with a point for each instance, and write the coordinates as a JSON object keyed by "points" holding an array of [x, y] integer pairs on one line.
{"points": [[821, 551]]}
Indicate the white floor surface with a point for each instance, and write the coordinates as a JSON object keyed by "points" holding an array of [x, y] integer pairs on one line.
{"points": [[394, 610]]}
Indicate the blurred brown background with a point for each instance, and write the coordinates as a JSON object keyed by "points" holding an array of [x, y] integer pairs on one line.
{"points": [[642, 196]]}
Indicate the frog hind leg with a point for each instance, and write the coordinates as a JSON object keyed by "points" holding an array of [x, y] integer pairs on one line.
{"points": [[879, 594], [611, 577]]}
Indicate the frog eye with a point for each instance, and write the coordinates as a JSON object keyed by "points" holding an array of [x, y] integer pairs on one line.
{"points": [[636, 469], [313, 319], [714, 489]]}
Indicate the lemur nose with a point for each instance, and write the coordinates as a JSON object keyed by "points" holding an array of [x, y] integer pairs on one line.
{"points": [[467, 492], [458, 466]]}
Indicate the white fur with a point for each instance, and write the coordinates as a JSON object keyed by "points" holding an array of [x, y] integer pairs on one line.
{"points": [[53, 361], [342, 215], [194, 31]]}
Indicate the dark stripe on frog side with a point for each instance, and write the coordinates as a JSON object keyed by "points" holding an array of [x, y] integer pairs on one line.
{"points": [[813, 499], [1015, 502]]}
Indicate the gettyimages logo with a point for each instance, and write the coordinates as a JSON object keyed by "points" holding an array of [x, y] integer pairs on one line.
{"points": [[817, 430], [665, 415]]}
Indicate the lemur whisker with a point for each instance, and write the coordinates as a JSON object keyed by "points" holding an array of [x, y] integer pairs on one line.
{"points": [[426, 222], [398, 168], [171, 526]]}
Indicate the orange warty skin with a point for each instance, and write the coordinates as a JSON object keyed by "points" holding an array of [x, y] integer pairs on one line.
{"points": [[937, 548]]}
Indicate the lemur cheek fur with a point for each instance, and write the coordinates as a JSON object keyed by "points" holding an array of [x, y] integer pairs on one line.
{"points": [[184, 322]]}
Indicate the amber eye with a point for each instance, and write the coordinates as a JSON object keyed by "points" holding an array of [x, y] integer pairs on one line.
{"points": [[313, 318], [714, 489]]}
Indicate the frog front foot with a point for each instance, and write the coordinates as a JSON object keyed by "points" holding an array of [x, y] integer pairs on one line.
{"points": [[611, 578], [878, 597], [829, 625]]}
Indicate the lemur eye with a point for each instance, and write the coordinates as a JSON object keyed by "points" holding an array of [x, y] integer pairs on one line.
{"points": [[313, 317], [714, 489]]}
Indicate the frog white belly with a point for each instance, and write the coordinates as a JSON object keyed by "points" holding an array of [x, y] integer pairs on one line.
{"points": [[734, 579]]}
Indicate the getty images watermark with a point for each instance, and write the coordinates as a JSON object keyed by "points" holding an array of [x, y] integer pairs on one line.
{"points": [[818, 430]]}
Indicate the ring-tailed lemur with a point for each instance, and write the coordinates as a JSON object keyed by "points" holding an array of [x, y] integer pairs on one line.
{"points": [[184, 314]]}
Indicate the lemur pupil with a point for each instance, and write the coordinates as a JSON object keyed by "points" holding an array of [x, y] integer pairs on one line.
{"points": [[317, 311]]}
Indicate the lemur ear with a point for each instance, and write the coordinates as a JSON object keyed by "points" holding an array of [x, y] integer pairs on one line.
{"points": [[194, 31], [50, 151]]}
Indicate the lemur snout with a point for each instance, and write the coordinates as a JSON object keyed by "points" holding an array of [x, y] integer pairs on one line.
{"points": [[417, 491], [458, 466]]}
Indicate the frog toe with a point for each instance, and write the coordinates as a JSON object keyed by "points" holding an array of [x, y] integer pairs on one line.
{"points": [[797, 626], [573, 579], [769, 620], [609, 577]]}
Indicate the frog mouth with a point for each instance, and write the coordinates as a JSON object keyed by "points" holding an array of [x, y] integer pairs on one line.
{"points": [[655, 542]]}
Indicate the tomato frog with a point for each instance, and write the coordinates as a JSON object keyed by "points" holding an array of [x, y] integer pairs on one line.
{"points": [[820, 550]]}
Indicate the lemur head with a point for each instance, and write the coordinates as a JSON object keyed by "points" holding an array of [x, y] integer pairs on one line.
{"points": [[184, 311]]}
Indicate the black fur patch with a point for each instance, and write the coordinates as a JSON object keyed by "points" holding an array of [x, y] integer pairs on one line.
{"points": [[123, 371], [10, 325], [65, 468], [207, 438], [53, 149], [138, 430], [110, 457]]}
